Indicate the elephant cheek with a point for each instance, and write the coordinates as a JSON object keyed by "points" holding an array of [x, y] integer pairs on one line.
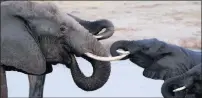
{"points": [[141, 60]]}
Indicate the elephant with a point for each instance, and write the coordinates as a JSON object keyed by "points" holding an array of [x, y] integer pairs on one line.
{"points": [[94, 27], [191, 82], [160, 60], [30, 47]]}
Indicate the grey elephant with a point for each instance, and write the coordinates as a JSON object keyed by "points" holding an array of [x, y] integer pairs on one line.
{"points": [[30, 47], [160, 60], [94, 27], [191, 82]]}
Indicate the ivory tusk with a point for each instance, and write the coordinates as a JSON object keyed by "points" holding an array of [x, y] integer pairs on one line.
{"points": [[179, 89], [106, 58], [100, 33], [104, 29], [121, 51], [97, 36]]}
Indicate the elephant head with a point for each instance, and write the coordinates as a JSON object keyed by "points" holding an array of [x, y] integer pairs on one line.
{"points": [[161, 61], [27, 27], [95, 27], [152, 59], [190, 84]]}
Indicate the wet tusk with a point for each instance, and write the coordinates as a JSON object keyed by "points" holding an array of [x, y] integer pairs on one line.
{"points": [[179, 89], [105, 58], [97, 36], [121, 51]]}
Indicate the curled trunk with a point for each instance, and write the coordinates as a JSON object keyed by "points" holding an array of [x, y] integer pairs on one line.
{"points": [[125, 45], [167, 87], [118, 45], [186, 80], [95, 27], [101, 69]]}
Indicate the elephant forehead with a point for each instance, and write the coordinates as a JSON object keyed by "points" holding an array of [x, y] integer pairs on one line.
{"points": [[44, 27]]}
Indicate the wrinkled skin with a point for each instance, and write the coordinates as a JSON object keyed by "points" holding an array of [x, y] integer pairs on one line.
{"points": [[37, 82], [192, 79], [31, 47], [160, 60]]}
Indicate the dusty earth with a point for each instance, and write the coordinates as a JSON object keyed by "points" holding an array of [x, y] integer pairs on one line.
{"points": [[176, 22]]}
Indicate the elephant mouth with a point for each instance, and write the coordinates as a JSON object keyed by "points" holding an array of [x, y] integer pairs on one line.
{"points": [[122, 54]]}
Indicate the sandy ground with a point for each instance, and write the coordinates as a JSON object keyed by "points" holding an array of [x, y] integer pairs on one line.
{"points": [[176, 22]]}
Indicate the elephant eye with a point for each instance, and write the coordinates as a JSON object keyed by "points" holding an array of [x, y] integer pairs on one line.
{"points": [[62, 28]]}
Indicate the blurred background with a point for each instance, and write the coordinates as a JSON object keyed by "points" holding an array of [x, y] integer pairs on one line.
{"points": [[176, 22]]}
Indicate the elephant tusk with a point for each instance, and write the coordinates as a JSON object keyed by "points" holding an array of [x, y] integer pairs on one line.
{"points": [[179, 89], [97, 36], [121, 51], [102, 31], [106, 58]]}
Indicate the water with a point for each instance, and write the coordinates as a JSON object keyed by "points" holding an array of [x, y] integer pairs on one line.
{"points": [[126, 80]]}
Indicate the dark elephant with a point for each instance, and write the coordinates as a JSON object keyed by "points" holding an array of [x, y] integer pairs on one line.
{"points": [[190, 82], [160, 60], [30, 47], [94, 27]]}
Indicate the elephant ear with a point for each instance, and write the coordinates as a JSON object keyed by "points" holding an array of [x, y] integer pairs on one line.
{"points": [[167, 67], [19, 49]]}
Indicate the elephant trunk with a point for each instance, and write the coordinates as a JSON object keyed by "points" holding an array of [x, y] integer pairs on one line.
{"points": [[96, 26], [109, 28], [167, 87], [101, 69], [118, 45], [125, 45], [185, 80], [84, 23]]}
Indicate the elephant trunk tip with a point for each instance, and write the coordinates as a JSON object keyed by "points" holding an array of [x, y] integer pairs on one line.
{"points": [[117, 46], [107, 25]]}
